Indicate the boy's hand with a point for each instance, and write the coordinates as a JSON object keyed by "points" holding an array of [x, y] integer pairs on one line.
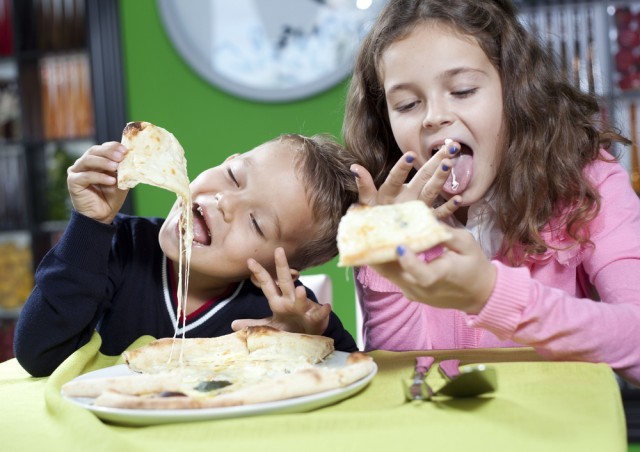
{"points": [[92, 182], [292, 310]]}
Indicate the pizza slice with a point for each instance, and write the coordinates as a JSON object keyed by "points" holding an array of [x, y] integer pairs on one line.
{"points": [[250, 343], [370, 235], [154, 157]]}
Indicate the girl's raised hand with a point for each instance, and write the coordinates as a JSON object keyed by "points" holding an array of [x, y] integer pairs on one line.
{"points": [[292, 310], [461, 278], [92, 182], [425, 185]]}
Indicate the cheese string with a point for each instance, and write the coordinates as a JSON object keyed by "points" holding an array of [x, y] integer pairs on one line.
{"points": [[186, 239]]}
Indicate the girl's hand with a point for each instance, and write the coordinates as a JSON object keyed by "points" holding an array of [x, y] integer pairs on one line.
{"points": [[92, 182], [461, 278], [426, 184], [292, 310]]}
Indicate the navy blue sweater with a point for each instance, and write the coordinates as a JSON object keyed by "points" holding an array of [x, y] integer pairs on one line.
{"points": [[114, 279]]}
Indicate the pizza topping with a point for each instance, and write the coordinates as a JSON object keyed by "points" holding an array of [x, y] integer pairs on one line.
{"points": [[171, 394], [206, 386]]}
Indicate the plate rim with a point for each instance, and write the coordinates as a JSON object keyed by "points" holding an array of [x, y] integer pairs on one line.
{"points": [[299, 404]]}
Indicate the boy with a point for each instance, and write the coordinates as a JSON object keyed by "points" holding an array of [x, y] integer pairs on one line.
{"points": [[117, 274]]}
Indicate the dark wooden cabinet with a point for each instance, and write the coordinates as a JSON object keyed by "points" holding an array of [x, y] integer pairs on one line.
{"points": [[61, 90]]}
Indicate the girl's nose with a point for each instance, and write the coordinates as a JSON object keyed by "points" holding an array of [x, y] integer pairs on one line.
{"points": [[438, 115]]}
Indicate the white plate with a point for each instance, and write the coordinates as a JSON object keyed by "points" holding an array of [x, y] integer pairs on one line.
{"points": [[148, 417]]}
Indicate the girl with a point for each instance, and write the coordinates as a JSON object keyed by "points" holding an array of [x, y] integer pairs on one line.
{"points": [[552, 260]]}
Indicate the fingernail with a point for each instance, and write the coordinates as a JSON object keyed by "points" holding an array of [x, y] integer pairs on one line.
{"points": [[445, 168], [400, 250], [410, 158], [456, 202], [452, 150], [355, 174]]}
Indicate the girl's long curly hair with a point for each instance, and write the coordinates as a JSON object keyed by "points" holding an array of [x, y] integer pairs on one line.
{"points": [[552, 128]]}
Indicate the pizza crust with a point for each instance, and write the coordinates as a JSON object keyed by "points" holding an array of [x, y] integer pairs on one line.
{"points": [[370, 235]]}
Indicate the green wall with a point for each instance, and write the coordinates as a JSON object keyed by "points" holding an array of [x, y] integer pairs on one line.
{"points": [[211, 124]]}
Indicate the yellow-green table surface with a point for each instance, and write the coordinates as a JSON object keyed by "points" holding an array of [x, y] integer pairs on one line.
{"points": [[539, 406]]}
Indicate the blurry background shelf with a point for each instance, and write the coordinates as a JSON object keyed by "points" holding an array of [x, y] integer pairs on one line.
{"points": [[61, 91]]}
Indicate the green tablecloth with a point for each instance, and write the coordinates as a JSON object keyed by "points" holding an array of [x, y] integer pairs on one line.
{"points": [[539, 406]]}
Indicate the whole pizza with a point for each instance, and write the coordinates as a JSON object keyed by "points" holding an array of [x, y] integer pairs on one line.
{"points": [[254, 365]]}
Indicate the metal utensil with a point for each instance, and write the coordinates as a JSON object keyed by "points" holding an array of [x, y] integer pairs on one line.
{"points": [[418, 389], [470, 381]]}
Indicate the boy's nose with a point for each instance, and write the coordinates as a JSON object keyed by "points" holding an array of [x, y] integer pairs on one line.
{"points": [[227, 204]]}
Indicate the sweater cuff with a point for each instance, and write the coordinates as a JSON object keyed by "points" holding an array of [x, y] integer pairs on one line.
{"points": [[86, 243], [502, 313]]}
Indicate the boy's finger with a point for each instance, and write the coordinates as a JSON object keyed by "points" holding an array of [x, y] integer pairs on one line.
{"points": [[262, 278], [283, 272], [238, 324]]}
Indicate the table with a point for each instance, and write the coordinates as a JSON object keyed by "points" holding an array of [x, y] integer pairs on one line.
{"points": [[539, 406]]}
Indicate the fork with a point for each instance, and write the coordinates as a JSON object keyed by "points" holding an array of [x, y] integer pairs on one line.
{"points": [[418, 388]]}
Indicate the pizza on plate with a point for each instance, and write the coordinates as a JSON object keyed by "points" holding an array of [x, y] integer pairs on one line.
{"points": [[370, 235], [254, 365]]}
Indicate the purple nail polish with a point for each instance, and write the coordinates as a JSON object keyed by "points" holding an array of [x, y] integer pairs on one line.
{"points": [[356, 175], [410, 158], [445, 168], [452, 150], [400, 250]]}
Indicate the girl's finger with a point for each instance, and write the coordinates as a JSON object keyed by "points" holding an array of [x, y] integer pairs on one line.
{"points": [[394, 183], [448, 208], [367, 190]]}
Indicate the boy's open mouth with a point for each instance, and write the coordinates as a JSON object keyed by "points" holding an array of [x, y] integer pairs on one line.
{"points": [[201, 231]]}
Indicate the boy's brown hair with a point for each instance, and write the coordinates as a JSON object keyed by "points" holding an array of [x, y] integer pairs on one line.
{"points": [[324, 168]]}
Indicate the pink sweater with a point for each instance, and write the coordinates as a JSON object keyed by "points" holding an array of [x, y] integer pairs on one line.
{"points": [[545, 304]]}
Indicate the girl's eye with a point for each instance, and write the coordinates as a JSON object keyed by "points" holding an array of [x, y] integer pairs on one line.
{"points": [[256, 226], [233, 177], [465, 92], [406, 107]]}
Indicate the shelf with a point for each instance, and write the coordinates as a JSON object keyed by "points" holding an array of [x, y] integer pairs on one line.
{"points": [[64, 70]]}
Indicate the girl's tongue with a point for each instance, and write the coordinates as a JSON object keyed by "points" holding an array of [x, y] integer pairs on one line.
{"points": [[461, 173]]}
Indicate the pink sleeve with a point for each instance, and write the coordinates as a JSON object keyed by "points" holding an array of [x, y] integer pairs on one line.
{"points": [[565, 327], [391, 322]]}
